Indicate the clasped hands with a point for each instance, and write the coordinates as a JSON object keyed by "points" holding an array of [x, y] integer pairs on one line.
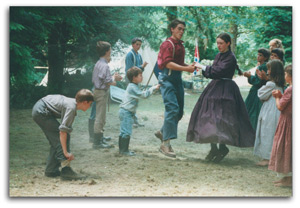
{"points": [[117, 77], [276, 94]]}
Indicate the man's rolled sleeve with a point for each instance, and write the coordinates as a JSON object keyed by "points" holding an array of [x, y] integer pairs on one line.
{"points": [[67, 121], [65, 129]]}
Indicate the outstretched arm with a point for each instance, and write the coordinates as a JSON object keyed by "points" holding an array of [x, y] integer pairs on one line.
{"points": [[177, 67]]}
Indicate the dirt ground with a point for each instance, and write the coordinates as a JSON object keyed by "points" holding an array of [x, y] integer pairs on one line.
{"points": [[148, 174]]}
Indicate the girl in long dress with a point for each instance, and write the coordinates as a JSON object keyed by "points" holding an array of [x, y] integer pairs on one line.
{"points": [[269, 114], [253, 103], [220, 114], [281, 156]]}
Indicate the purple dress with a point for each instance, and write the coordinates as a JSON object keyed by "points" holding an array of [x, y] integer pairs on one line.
{"points": [[220, 114]]}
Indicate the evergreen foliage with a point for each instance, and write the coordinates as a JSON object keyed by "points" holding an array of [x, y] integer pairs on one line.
{"points": [[61, 37]]}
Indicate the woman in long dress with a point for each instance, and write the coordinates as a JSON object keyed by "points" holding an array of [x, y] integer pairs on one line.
{"points": [[220, 114]]}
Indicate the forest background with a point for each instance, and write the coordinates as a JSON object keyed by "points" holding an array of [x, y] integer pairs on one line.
{"points": [[56, 38]]}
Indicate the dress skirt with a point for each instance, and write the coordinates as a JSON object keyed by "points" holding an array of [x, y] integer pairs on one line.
{"points": [[281, 155], [253, 106], [220, 116]]}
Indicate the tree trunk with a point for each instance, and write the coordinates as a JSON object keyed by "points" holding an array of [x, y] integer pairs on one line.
{"points": [[234, 28], [171, 13], [56, 58]]}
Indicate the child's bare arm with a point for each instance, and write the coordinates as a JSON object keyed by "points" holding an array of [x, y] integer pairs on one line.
{"points": [[63, 141], [277, 95], [278, 104]]}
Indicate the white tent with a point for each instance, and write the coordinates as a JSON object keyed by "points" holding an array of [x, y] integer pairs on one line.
{"points": [[148, 55], [69, 70]]}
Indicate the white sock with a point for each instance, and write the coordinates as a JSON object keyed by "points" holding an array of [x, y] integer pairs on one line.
{"points": [[167, 143]]}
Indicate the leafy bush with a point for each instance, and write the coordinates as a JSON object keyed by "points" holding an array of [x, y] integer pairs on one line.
{"points": [[26, 95]]}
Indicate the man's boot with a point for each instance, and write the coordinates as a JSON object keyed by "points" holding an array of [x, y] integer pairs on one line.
{"points": [[98, 142], [123, 146], [91, 130], [68, 174]]}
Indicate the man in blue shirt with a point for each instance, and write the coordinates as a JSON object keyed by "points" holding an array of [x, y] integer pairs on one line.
{"points": [[133, 58]]}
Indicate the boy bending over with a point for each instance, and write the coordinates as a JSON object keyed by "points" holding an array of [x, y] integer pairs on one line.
{"points": [[44, 113]]}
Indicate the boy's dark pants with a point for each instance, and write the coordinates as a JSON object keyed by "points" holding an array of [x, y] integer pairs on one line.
{"points": [[50, 126]]}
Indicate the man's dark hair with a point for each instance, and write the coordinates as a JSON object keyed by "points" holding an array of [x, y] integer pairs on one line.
{"points": [[134, 40], [174, 24]]}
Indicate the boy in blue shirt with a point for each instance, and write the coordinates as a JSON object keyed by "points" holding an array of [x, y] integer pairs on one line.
{"points": [[128, 107]]}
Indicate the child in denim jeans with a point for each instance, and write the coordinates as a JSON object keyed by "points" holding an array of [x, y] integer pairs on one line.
{"points": [[128, 107]]}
